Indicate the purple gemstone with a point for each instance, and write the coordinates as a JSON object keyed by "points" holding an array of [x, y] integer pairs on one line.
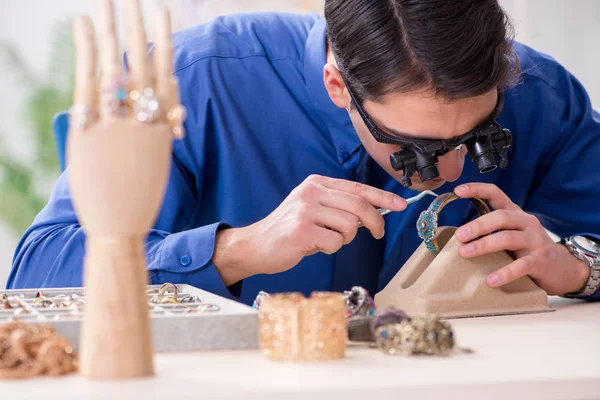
{"points": [[390, 315]]}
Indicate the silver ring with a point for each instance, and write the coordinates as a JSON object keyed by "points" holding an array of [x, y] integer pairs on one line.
{"points": [[358, 302], [259, 299], [208, 308], [190, 299], [144, 104], [80, 116], [20, 311]]}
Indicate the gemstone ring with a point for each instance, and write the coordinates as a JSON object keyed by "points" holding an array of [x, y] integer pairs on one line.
{"points": [[358, 302], [144, 104], [115, 97], [81, 116]]}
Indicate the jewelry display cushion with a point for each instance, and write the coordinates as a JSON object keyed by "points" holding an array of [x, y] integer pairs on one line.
{"points": [[174, 327]]}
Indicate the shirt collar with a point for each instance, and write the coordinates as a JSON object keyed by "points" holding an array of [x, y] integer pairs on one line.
{"points": [[338, 122]]}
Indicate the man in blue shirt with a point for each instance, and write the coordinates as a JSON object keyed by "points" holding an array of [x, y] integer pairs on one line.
{"points": [[279, 166]]}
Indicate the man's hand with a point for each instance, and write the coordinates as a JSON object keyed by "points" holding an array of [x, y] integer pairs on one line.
{"points": [[549, 264], [320, 215]]}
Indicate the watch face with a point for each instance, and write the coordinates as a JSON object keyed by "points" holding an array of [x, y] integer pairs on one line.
{"points": [[586, 245]]}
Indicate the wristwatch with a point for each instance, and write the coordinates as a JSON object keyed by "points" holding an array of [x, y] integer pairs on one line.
{"points": [[586, 250]]}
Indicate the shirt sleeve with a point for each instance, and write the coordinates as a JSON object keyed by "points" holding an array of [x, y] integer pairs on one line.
{"points": [[180, 247], [50, 253], [566, 191]]}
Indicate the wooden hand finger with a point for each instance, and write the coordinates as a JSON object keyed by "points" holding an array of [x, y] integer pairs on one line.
{"points": [[166, 83], [111, 82], [83, 113], [140, 70]]}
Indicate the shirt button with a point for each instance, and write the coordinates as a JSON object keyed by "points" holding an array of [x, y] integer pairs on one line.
{"points": [[344, 155], [185, 260]]}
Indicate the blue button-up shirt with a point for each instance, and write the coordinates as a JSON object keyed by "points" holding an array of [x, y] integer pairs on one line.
{"points": [[260, 122]]}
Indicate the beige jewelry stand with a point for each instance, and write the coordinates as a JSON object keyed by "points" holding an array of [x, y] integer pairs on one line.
{"points": [[455, 287]]}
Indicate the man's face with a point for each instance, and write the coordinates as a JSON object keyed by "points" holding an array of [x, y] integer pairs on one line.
{"points": [[418, 114], [422, 115]]}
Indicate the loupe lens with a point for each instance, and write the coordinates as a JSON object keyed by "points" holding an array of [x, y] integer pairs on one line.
{"points": [[428, 173], [427, 167], [486, 163], [402, 159], [482, 153]]}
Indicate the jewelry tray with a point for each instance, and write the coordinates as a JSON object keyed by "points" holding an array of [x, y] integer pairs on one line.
{"points": [[234, 326]]}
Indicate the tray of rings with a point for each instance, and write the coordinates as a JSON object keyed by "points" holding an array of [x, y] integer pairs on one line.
{"points": [[183, 317]]}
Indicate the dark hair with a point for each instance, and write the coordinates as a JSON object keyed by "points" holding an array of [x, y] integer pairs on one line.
{"points": [[457, 48]]}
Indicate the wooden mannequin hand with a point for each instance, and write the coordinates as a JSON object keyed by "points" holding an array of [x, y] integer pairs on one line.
{"points": [[118, 154], [119, 149]]}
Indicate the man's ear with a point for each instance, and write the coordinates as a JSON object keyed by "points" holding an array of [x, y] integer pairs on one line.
{"points": [[335, 86]]}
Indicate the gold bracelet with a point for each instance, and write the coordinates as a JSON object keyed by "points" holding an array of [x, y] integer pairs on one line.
{"points": [[295, 328]]}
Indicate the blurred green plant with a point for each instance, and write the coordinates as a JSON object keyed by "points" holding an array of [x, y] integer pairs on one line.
{"points": [[22, 193]]}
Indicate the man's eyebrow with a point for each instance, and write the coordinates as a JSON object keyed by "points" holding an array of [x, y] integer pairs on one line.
{"points": [[403, 135]]}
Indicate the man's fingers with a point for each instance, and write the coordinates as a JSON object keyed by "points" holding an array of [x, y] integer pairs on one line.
{"points": [[340, 221], [376, 197], [140, 72], [327, 241], [505, 240], [494, 221], [513, 271], [355, 198], [85, 92], [358, 206], [496, 197]]}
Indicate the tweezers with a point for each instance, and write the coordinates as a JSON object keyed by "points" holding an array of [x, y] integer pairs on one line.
{"points": [[385, 211]]}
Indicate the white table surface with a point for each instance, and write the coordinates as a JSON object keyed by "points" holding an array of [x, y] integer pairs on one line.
{"points": [[552, 355]]}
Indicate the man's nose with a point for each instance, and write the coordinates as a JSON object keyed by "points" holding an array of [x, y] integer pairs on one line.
{"points": [[451, 165]]}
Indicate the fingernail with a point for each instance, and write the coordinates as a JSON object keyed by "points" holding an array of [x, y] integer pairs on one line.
{"points": [[463, 233], [398, 200], [468, 248], [493, 280], [461, 189]]}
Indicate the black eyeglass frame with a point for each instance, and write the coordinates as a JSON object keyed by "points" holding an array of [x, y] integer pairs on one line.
{"points": [[484, 143], [420, 143]]}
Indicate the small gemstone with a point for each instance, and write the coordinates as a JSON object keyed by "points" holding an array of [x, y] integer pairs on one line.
{"points": [[145, 105], [121, 95]]}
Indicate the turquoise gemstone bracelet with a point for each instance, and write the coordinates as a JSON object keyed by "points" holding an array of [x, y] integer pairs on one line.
{"points": [[427, 223]]}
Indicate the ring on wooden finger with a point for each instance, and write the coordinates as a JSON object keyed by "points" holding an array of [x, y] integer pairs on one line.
{"points": [[176, 117], [114, 98]]}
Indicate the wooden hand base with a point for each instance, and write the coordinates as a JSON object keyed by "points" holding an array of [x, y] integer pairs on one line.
{"points": [[116, 340], [455, 287]]}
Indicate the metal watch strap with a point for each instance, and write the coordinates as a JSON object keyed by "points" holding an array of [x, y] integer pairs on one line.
{"points": [[593, 283]]}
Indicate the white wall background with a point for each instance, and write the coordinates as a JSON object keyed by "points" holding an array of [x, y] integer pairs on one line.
{"points": [[567, 29]]}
